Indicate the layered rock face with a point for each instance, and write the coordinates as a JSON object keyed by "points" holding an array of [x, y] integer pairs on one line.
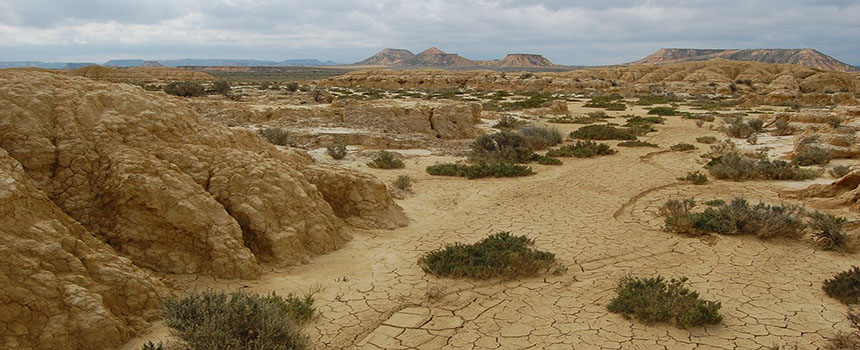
{"points": [[102, 180], [842, 192], [138, 75], [805, 57]]}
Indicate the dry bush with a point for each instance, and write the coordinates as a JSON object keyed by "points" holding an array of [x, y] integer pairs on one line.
{"points": [[655, 299], [386, 160], [499, 255], [276, 136], [502, 146], [336, 151]]}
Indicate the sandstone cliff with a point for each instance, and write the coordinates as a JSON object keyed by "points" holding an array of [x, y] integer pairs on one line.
{"points": [[805, 57]]}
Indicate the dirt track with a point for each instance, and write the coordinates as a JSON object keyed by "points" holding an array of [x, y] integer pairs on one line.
{"points": [[600, 217]]}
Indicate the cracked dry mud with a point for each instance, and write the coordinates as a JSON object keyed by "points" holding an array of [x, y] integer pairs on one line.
{"points": [[600, 217]]}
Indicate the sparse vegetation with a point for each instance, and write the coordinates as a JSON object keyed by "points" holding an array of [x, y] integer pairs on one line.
{"points": [[738, 166], [602, 132], [655, 299], [827, 231], [847, 340], [386, 160], [735, 218], [507, 122], [480, 170], [845, 286], [782, 127], [682, 147], [499, 255], [812, 155], [403, 182], [738, 128], [666, 111], [609, 103], [544, 160], [706, 139], [839, 171], [696, 178], [573, 120], [539, 137], [275, 136], [219, 321], [221, 87], [502, 146], [582, 149], [336, 150], [636, 143], [649, 100], [185, 89]]}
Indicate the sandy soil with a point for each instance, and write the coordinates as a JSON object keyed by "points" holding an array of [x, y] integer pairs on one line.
{"points": [[600, 217]]}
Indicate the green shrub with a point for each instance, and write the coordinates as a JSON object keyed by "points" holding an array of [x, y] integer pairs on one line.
{"points": [[534, 101], [602, 132], [706, 139], [544, 160], [502, 146], [539, 137], [336, 151], [696, 178], [737, 166], [636, 143], [499, 255], [667, 111], [276, 136], [219, 321], [386, 160], [813, 156], [737, 128], [582, 149], [403, 182], [597, 115], [735, 218], [658, 300], [480, 170], [827, 231], [292, 86], [682, 147], [185, 89], [845, 286], [637, 120], [648, 100], [606, 102], [507, 122], [839, 171], [221, 87], [714, 202]]}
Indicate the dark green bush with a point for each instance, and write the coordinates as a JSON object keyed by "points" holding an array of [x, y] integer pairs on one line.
{"points": [[582, 149], [480, 170], [715, 202], [735, 218], [696, 178], [219, 321], [386, 160], [502, 146], [706, 139], [636, 143], [667, 111], [336, 151], [682, 147], [845, 286], [827, 231], [276, 136], [813, 156], [499, 255], [544, 160], [185, 89], [602, 132], [539, 137], [658, 300], [737, 166], [637, 120]]}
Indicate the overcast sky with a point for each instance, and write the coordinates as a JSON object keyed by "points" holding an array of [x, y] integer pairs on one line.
{"points": [[589, 32]]}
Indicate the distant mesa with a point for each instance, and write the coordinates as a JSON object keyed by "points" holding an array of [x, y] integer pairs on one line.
{"points": [[436, 58], [804, 57]]}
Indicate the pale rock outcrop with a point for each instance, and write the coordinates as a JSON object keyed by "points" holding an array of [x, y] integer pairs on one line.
{"points": [[842, 192]]}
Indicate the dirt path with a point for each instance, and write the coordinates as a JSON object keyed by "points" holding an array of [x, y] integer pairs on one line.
{"points": [[599, 217]]}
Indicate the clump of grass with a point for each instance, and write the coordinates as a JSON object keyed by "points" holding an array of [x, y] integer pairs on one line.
{"points": [[735, 218], [738, 166], [847, 340], [706, 139], [336, 151], [499, 255], [386, 160], [502, 146], [636, 143], [666, 111], [844, 286], [602, 132], [275, 136], [682, 147], [582, 149], [539, 137], [655, 299], [219, 321], [403, 182], [839, 171], [813, 156], [827, 231], [480, 170], [696, 178], [507, 123]]}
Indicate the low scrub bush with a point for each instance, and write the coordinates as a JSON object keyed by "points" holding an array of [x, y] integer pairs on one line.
{"points": [[636, 143], [219, 321], [845, 286], [534, 101], [582, 149], [782, 127], [735, 218], [632, 121], [706, 139], [736, 127], [602, 132], [666, 111], [696, 178], [839, 171], [847, 340], [682, 147], [813, 156], [185, 89], [403, 182], [386, 160], [275, 136], [502, 146], [539, 137], [655, 299], [499, 255], [336, 151], [827, 231], [544, 160], [714, 202], [573, 120], [221, 87], [508, 122], [738, 166], [610, 103], [480, 170], [649, 100]]}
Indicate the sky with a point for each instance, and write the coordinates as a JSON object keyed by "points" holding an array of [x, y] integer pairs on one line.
{"points": [[572, 32]]}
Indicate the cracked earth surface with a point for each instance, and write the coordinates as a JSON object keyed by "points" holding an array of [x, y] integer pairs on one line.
{"points": [[599, 216]]}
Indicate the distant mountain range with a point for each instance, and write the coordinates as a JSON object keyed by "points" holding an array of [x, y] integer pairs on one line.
{"points": [[805, 57], [433, 57], [173, 63]]}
